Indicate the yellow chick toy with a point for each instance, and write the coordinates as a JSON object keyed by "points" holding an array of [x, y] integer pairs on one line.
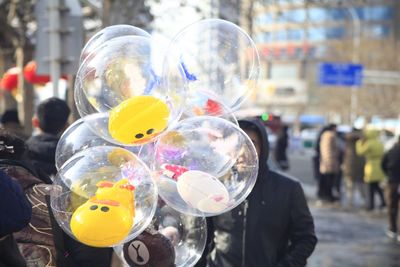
{"points": [[138, 119], [121, 191], [107, 218]]}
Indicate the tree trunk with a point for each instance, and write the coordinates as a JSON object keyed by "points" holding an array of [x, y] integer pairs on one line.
{"points": [[25, 91]]}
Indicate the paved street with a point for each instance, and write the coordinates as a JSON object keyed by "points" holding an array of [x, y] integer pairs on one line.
{"points": [[346, 238]]}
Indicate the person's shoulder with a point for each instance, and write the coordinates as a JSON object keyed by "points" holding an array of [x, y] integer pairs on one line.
{"points": [[33, 138], [329, 134], [394, 151], [42, 139], [396, 147], [284, 179]]}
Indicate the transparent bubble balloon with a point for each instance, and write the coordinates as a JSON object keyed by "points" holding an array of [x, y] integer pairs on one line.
{"points": [[89, 131], [103, 196], [77, 137], [119, 79], [206, 106], [219, 59], [173, 239], [205, 166], [146, 153], [109, 33]]}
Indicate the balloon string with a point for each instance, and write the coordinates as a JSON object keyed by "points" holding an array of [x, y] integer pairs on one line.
{"points": [[51, 256]]}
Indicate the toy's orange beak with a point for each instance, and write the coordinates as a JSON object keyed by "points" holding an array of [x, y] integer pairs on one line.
{"points": [[105, 202], [128, 187], [104, 184]]}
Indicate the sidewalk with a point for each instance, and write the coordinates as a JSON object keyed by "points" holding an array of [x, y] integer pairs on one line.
{"points": [[350, 238]]}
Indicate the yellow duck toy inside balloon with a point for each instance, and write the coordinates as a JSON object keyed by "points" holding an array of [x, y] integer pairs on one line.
{"points": [[107, 218], [138, 120]]}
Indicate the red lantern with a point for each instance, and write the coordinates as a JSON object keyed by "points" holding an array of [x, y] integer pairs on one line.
{"points": [[9, 82], [31, 76]]}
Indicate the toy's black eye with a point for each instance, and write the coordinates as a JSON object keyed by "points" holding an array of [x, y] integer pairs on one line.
{"points": [[93, 207], [139, 135], [150, 131], [105, 209]]}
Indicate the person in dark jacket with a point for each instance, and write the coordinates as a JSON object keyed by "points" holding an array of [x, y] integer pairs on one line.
{"points": [[10, 122], [15, 214], [281, 147], [391, 167], [15, 208], [272, 227], [51, 119]]}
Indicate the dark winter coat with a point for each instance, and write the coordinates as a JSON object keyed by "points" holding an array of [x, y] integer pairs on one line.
{"points": [[353, 164], [272, 227], [15, 209], [280, 150], [9, 253], [42, 151], [391, 164], [15, 214]]}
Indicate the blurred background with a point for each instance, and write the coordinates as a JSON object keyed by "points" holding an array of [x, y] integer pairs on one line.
{"points": [[322, 61], [301, 45]]}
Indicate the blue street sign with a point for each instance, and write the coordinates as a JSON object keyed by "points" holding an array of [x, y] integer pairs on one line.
{"points": [[339, 74]]}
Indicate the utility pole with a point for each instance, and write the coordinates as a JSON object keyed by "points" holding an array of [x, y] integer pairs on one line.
{"points": [[59, 38], [356, 59], [55, 44]]}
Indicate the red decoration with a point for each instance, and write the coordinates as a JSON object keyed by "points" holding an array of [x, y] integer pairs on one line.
{"points": [[9, 82], [173, 171], [213, 108], [31, 76]]}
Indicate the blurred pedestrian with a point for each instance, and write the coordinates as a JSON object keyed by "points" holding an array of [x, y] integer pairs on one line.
{"points": [[353, 167], [391, 167], [337, 184], [371, 148], [51, 120], [272, 227], [281, 148], [317, 158], [329, 163], [10, 122]]}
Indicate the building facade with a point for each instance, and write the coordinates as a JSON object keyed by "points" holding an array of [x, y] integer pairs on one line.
{"points": [[295, 36]]}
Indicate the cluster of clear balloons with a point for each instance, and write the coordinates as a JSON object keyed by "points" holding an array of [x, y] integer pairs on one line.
{"points": [[155, 152]]}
